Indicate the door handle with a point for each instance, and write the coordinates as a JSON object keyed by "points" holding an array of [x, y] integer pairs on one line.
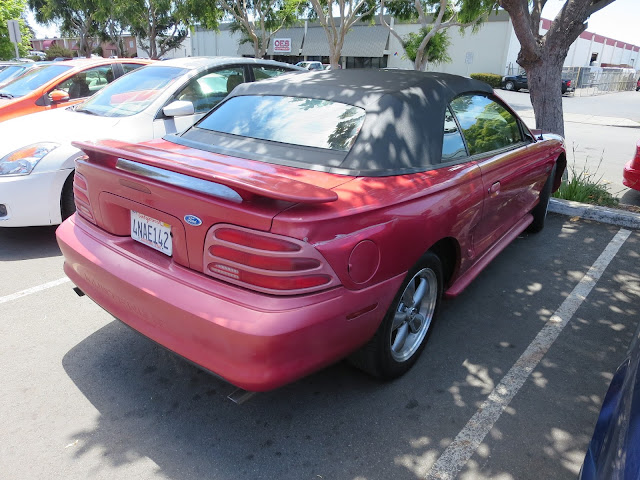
{"points": [[494, 189]]}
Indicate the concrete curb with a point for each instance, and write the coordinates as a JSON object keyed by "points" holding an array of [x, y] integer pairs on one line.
{"points": [[612, 216]]}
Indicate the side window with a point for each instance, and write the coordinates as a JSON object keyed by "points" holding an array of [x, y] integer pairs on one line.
{"points": [[260, 73], [207, 90], [452, 143], [486, 125], [86, 83], [128, 67]]}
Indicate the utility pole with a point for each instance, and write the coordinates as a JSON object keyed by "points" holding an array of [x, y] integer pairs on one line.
{"points": [[14, 34]]}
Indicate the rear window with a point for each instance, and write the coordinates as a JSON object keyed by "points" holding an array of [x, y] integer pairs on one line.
{"points": [[33, 79], [306, 122]]}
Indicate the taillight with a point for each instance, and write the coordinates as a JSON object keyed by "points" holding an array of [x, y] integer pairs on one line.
{"points": [[249, 239], [81, 197], [568, 83], [265, 262]]}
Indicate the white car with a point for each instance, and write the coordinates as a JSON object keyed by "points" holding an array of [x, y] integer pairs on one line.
{"points": [[310, 65], [36, 155]]}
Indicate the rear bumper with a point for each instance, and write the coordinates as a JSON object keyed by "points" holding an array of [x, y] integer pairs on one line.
{"points": [[255, 341], [631, 177]]}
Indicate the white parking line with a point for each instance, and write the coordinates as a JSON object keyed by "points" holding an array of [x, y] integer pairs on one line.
{"points": [[29, 291], [458, 453]]}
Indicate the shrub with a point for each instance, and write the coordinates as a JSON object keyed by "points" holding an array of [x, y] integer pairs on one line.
{"points": [[586, 187], [56, 51], [491, 78]]}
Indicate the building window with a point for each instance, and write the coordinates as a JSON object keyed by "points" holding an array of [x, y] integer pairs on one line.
{"points": [[594, 57], [367, 62], [293, 59]]}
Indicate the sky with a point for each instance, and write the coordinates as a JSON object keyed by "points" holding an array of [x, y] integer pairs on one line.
{"points": [[42, 31], [620, 21]]}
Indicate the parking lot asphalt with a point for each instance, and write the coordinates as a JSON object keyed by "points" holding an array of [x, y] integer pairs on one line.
{"points": [[85, 397]]}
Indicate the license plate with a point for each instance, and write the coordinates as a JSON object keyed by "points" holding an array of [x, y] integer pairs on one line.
{"points": [[151, 232]]}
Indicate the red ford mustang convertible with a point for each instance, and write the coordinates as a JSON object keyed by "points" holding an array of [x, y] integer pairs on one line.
{"points": [[308, 218]]}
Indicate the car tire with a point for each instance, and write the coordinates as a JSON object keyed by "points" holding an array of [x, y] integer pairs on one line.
{"points": [[539, 212], [67, 203], [404, 331], [509, 85]]}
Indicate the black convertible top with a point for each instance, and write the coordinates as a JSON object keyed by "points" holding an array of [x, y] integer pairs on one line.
{"points": [[403, 127]]}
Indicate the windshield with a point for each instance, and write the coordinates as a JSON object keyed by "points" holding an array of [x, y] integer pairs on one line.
{"points": [[307, 122], [32, 80], [132, 93]]}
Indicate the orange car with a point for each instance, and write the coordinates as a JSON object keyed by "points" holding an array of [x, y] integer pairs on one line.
{"points": [[59, 84]]}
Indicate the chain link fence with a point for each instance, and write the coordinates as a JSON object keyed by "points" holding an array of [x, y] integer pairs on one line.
{"points": [[589, 81]]}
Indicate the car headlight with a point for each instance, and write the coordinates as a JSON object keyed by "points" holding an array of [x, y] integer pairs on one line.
{"points": [[23, 160], [503, 79]]}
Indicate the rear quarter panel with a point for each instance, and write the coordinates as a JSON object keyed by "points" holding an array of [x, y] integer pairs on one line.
{"points": [[403, 215]]}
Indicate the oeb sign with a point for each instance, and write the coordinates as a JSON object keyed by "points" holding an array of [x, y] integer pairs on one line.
{"points": [[282, 45]]}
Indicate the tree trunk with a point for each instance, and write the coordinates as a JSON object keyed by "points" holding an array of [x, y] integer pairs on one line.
{"points": [[545, 89], [334, 59]]}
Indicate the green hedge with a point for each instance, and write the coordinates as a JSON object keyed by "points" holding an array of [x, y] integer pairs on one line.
{"points": [[58, 51], [491, 78]]}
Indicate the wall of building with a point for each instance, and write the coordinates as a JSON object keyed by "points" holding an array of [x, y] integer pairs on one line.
{"points": [[609, 50], [493, 48], [184, 50], [482, 52], [397, 58], [580, 53], [210, 43], [108, 48]]}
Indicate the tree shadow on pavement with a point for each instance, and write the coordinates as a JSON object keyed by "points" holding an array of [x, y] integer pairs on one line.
{"points": [[631, 197], [342, 424]]}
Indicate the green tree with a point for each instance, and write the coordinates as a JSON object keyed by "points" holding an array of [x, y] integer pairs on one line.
{"points": [[435, 16], [113, 23], [77, 18], [542, 55], [259, 20], [336, 26], [160, 25], [435, 51], [12, 10]]}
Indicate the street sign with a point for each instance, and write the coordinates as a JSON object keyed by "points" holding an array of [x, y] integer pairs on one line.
{"points": [[14, 34], [14, 31]]}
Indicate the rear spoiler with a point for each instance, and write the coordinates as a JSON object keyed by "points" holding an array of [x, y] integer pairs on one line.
{"points": [[252, 181]]}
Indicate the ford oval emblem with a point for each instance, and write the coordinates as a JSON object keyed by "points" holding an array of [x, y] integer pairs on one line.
{"points": [[193, 220]]}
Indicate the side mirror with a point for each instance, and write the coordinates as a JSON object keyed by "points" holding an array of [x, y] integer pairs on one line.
{"points": [[58, 96], [178, 108]]}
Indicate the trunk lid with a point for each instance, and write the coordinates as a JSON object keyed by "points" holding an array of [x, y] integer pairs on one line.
{"points": [[188, 191]]}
